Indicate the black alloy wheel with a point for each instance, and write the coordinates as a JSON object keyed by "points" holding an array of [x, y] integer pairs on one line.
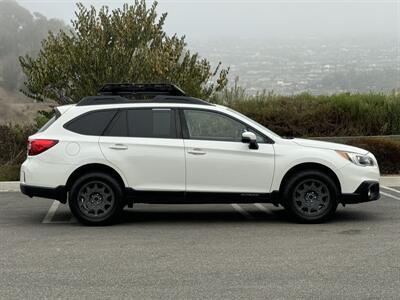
{"points": [[311, 196], [96, 199]]}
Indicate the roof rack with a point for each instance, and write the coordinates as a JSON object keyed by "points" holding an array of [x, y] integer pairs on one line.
{"points": [[119, 93], [142, 88], [116, 99]]}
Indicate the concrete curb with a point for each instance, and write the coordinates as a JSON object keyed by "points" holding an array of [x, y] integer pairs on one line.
{"points": [[13, 186], [390, 180], [9, 186]]}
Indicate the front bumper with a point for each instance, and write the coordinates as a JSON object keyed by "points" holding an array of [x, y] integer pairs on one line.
{"points": [[366, 192], [58, 193]]}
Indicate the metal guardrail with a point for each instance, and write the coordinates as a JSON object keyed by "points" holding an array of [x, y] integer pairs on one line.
{"points": [[343, 139]]}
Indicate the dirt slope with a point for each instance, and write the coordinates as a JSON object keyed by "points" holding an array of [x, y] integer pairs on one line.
{"points": [[17, 108]]}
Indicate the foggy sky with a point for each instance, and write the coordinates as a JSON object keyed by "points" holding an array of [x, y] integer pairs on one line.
{"points": [[321, 19]]}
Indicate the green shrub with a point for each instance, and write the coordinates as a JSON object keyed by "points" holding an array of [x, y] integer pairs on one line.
{"points": [[42, 117], [13, 142], [306, 115], [386, 152], [9, 173]]}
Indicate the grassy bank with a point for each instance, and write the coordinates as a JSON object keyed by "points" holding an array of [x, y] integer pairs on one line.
{"points": [[306, 115], [9, 173]]}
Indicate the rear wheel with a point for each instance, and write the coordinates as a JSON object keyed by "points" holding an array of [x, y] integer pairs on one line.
{"points": [[96, 199], [311, 196]]}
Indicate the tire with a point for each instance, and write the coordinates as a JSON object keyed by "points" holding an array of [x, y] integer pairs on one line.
{"points": [[96, 199], [310, 196]]}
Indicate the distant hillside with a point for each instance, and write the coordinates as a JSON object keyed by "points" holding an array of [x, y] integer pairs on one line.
{"points": [[21, 33], [17, 108]]}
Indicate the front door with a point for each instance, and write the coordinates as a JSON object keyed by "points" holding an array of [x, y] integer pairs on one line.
{"points": [[216, 159]]}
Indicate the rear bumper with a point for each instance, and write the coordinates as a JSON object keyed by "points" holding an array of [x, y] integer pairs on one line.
{"points": [[57, 193], [366, 192]]}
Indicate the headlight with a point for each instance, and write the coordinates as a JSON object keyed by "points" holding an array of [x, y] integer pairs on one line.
{"points": [[358, 159]]}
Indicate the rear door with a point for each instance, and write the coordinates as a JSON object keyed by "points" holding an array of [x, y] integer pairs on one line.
{"points": [[145, 145]]}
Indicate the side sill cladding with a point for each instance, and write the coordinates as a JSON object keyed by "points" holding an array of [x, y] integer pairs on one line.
{"points": [[162, 197]]}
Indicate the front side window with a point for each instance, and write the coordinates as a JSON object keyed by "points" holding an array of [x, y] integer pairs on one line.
{"points": [[92, 123], [207, 125]]}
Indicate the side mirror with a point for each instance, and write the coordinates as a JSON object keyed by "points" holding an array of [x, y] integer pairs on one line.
{"points": [[251, 139]]}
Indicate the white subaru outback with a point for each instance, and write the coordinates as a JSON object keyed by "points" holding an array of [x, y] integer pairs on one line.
{"points": [[152, 144]]}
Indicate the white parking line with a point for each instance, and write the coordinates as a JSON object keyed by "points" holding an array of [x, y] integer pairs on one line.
{"points": [[261, 207], [390, 195], [51, 212], [390, 189], [239, 209], [60, 222]]}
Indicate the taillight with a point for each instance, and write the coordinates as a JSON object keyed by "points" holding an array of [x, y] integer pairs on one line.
{"points": [[36, 147]]}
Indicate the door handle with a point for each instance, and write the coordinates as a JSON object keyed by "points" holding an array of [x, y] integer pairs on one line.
{"points": [[118, 147], [196, 151]]}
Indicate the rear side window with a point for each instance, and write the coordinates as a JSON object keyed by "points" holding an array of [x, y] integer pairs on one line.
{"points": [[92, 123], [151, 123], [119, 126]]}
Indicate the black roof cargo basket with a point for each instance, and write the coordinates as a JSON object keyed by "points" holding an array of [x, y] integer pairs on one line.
{"points": [[142, 88], [119, 93]]}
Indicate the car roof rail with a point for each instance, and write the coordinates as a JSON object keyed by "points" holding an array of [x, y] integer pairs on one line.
{"points": [[177, 99], [116, 99], [99, 100], [141, 88]]}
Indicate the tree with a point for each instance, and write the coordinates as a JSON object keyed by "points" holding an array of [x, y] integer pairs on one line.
{"points": [[125, 45]]}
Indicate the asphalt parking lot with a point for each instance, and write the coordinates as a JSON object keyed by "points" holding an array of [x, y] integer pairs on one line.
{"points": [[200, 252]]}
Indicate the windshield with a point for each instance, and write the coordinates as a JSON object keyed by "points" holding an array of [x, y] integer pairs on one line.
{"points": [[273, 134]]}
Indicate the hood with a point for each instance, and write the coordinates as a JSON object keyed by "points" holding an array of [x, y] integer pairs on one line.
{"points": [[330, 146]]}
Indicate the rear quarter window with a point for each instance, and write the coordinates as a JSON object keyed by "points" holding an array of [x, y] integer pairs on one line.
{"points": [[92, 123]]}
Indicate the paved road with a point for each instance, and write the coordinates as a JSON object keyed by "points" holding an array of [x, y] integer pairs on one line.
{"points": [[200, 252]]}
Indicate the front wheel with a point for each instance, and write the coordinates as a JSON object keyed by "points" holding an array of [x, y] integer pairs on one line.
{"points": [[96, 199], [311, 196]]}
